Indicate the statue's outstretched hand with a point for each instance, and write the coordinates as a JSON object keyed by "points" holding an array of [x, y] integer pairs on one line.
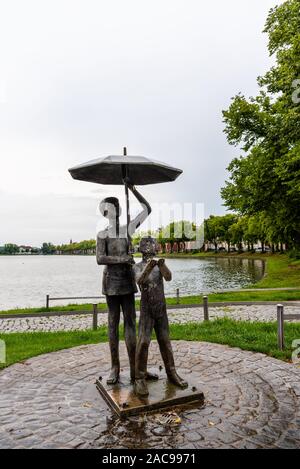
{"points": [[151, 263]]}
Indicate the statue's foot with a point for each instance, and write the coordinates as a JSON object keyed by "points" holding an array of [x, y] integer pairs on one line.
{"points": [[151, 376], [141, 388], [177, 380], [114, 376]]}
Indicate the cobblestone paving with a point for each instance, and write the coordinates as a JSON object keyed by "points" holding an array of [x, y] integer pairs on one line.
{"points": [[68, 323], [252, 401]]}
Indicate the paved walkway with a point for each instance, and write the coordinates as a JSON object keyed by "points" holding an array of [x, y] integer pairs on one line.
{"points": [[264, 313], [252, 401]]}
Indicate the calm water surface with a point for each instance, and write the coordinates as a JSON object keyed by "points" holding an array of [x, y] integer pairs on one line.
{"points": [[25, 280]]}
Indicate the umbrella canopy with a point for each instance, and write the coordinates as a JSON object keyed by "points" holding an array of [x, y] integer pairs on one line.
{"points": [[111, 170]]}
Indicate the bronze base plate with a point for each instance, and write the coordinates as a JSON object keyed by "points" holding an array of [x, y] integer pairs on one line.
{"points": [[162, 394]]}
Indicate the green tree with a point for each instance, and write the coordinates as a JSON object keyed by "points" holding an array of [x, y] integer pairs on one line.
{"points": [[251, 231], [266, 178], [225, 222], [237, 233], [210, 231], [217, 229], [48, 248], [11, 248]]}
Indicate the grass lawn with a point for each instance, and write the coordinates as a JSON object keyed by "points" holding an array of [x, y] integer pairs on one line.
{"points": [[257, 337], [281, 271]]}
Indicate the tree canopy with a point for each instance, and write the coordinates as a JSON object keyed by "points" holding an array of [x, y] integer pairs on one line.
{"points": [[265, 179]]}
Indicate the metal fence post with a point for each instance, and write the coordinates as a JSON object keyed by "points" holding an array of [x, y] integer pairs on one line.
{"points": [[47, 301], [95, 317], [280, 326], [205, 308], [177, 296]]}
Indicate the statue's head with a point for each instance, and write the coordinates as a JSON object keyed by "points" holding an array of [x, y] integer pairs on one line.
{"points": [[148, 245], [110, 208]]}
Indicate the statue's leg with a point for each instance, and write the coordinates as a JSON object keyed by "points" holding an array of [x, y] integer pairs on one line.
{"points": [[114, 306], [128, 307], [143, 342], [161, 328]]}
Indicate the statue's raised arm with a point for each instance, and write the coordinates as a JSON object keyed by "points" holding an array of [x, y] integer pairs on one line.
{"points": [[145, 212]]}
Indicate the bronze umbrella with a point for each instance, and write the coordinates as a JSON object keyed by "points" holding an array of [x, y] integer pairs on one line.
{"points": [[115, 169]]}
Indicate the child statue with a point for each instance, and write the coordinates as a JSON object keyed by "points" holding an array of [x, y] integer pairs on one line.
{"points": [[150, 275]]}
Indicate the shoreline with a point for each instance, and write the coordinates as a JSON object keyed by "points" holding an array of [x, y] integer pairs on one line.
{"points": [[280, 282]]}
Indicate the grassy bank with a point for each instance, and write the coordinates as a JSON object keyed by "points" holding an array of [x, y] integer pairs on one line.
{"points": [[257, 337]]}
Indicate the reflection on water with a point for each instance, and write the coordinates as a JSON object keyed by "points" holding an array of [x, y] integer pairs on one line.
{"points": [[198, 275], [25, 281]]}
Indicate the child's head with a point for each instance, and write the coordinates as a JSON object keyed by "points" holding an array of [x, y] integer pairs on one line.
{"points": [[148, 245]]}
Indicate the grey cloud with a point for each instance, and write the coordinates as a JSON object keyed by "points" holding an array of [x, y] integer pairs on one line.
{"points": [[85, 79]]}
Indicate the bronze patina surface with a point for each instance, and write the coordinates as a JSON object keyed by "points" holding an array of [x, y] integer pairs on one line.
{"points": [[163, 394], [150, 275], [113, 251]]}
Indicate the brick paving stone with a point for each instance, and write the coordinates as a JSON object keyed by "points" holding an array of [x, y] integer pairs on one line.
{"points": [[251, 401]]}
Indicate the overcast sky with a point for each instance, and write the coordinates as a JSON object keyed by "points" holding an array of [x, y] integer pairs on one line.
{"points": [[82, 79]]}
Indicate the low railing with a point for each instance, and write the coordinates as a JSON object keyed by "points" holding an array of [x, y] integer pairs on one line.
{"points": [[281, 316], [95, 310], [177, 294], [99, 297]]}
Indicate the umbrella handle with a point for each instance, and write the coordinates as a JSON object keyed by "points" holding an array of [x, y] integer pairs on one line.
{"points": [[127, 210], [125, 175]]}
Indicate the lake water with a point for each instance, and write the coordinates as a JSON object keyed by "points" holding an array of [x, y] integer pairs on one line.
{"points": [[25, 280]]}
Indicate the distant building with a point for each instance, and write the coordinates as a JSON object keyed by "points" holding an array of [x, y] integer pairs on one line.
{"points": [[26, 249]]}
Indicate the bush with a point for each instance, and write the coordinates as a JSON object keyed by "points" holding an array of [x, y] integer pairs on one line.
{"points": [[294, 254]]}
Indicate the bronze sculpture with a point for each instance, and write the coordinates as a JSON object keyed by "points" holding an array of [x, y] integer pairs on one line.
{"points": [[150, 275], [113, 251], [119, 286]]}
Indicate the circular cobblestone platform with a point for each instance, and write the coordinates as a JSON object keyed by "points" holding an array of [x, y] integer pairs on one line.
{"points": [[252, 401]]}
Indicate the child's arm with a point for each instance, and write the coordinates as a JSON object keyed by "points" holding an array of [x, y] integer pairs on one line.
{"points": [[147, 271], [164, 270]]}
